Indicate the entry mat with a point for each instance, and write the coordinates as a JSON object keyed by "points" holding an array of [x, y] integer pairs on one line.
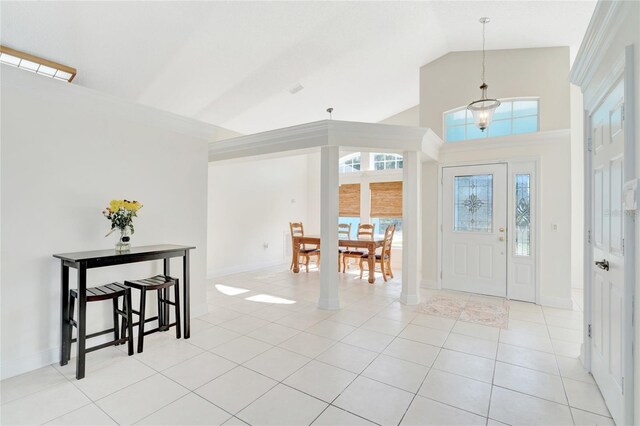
{"points": [[493, 313]]}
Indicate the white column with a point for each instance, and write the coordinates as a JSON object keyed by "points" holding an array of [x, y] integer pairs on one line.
{"points": [[365, 193], [411, 228], [329, 180]]}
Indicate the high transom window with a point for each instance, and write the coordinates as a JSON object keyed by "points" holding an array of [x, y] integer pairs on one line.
{"points": [[387, 161], [513, 116], [350, 163]]}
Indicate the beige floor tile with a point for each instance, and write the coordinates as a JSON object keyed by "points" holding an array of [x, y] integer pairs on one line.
{"points": [[531, 382], [536, 360], [409, 350], [397, 372], [190, 410], [334, 416], [241, 350], [472, 345], [375, 401], [471, 366], [320, 380], [31, 382], [89, 415], [43, 406], [516, 408], [308, 344], [348, 357], [585, 396], [425, 411], [367, 339], [427, 335], [283, 405], [137, 401], [199, 370], [236, 389], [458, 391], [277, 363]]}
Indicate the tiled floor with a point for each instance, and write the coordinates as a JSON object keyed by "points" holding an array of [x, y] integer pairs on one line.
{"points": [[265, 354]]}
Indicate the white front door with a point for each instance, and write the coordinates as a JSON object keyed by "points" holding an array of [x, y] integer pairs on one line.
{"points": [[474, 222], [608, 307]]}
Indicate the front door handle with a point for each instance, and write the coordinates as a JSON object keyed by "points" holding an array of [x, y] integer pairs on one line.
{"points": [[603, 264]]}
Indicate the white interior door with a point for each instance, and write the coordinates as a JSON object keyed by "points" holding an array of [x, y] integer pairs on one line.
{"points": [[608, 307], [474, 221]]}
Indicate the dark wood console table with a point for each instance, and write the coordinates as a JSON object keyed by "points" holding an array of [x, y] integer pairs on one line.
{"points": [[82, 261]]}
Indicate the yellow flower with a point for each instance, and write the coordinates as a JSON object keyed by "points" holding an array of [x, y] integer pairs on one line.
{"points": [[132, 206]]}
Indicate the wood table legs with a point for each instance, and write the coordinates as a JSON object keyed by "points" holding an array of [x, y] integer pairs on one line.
{"points": [[372, 263], [296, 256]]}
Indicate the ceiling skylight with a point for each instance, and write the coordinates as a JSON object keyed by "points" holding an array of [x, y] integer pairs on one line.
{"points": [[37, 65]]}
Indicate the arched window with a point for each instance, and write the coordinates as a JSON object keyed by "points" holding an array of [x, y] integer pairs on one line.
{"points": [[513, 116], [350, 163], [386, 161]]}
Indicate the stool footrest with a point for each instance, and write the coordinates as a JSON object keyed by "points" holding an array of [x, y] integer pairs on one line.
{"points": [[105, 345], [99, 333]]}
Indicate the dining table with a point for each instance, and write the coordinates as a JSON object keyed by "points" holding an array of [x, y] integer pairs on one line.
{"points": [[370, 245]]}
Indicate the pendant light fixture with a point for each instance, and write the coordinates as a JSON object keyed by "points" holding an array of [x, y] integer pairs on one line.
{"points": [[483, 108]]}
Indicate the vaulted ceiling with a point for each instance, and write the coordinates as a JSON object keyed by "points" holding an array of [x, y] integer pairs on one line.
{"points": [[233, 63]]}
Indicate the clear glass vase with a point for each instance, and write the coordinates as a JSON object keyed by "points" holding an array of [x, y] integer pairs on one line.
{"points": [[124, 242]]}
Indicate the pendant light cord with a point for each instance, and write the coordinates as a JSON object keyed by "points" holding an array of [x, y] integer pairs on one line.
{"points": [[483, 54]]}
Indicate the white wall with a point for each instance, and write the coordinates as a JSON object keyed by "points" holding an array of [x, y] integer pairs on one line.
{"points": [[552, 150], [577, 188], [408, 117], [66, 151], [453, 80], [251, 203]]}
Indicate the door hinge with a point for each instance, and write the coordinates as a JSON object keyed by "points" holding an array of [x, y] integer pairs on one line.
{"points": [[623, 246], [589, 331], [622, 111], [589, 144], [440, 274], [623, 385], [589, 236]]}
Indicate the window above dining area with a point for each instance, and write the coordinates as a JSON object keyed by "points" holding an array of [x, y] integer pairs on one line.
{"points": [[374, 161]]}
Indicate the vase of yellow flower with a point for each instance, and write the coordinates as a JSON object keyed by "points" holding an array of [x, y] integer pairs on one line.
{"points": [[121, 214]]}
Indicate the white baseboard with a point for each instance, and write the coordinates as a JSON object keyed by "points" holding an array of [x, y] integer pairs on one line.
{"points": [[428, 284], [221, 272], [556, 302]]}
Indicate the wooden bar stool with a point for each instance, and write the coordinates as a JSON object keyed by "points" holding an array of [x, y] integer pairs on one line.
{"points": [[161, 284], [112, 292]]}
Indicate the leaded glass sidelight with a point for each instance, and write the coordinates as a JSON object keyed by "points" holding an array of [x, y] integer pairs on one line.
{"points": [[523, 215], [473, 203]]}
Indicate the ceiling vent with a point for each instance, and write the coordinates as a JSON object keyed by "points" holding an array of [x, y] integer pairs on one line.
{"points": [[296, 88]]}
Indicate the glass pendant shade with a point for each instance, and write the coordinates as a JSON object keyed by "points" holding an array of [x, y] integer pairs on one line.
{"points": [[483, 109]]}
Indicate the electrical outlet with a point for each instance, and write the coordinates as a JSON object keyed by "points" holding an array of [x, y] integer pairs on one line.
{"points": [[265, 245], [554, 227]]}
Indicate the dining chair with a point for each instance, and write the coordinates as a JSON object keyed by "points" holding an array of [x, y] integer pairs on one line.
{"points": [[384, 258], [344, 233], [297, 230], [365, 232]]}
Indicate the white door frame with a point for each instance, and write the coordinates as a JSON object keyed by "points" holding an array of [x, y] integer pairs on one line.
{"points": [[536, 201], [623, 69]]}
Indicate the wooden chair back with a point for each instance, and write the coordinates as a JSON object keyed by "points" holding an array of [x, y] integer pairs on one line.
{"points": [[365, 231], [344, 231], [388, 240], [297, 230]]}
